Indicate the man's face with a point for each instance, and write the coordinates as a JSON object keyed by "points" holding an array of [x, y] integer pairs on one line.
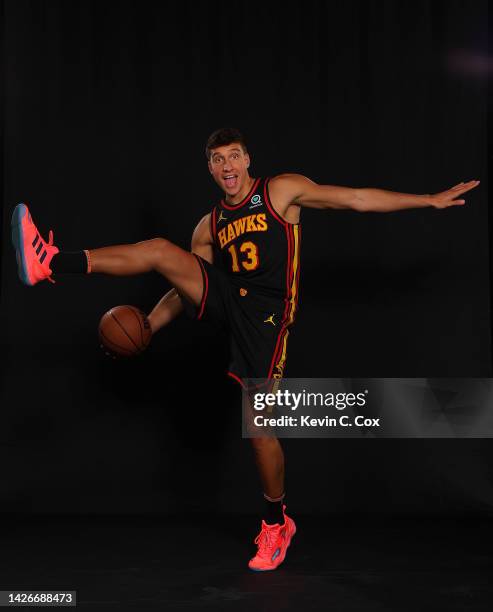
{"points": [[229, 168]]}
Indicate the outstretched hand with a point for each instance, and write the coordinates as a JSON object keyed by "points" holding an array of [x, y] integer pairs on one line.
{"points": [[448, 198]]}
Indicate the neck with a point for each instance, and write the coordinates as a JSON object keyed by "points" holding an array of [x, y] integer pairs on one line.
{"points": [[242, 193]]}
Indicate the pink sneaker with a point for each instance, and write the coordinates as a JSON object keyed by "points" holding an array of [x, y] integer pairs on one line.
{"points": [[273, 542], [32, 252]]}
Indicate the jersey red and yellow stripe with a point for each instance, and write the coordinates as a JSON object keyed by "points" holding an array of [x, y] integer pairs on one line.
{"points": [[293, 239]]}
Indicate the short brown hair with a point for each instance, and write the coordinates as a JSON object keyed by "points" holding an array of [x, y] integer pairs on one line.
{"points": [[222, 137]]}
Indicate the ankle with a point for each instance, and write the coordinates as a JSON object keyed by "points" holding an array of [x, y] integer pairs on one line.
{"points": [[65, 262], [273, 512]]}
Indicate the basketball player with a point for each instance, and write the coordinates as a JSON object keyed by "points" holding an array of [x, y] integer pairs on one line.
{"points": [[243, 271]]}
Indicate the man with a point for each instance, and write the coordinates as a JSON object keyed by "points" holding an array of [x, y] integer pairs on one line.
{"points": [[253, 238]]}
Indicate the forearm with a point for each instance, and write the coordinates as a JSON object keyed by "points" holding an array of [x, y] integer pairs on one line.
{"points": [[168, 308], [380, 200]]}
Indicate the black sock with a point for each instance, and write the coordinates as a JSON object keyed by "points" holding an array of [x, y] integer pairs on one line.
{"points": [[273, 512], [69, 263]]}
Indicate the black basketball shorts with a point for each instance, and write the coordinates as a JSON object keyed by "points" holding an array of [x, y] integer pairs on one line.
{"points": [[257, 325]]}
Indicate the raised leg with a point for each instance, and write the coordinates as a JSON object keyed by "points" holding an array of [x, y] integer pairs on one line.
{"points": [[180, 267]]}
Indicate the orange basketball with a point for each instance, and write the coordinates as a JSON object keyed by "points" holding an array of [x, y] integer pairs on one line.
{"points": [[124, 331]]}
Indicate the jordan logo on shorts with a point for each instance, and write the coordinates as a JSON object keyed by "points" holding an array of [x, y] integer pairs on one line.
{"points": [[221, 217], [271, 319]]}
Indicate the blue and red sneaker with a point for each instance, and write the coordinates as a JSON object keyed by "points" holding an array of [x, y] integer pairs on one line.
{"points": [[32, 252], [272, 542]]}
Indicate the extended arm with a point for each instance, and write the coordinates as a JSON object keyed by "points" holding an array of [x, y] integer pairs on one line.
{"points": [[295, 189], [170, 305]]}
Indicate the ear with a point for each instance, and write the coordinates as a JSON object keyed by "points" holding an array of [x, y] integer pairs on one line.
{"points": [[209, 166], [247, 157]]}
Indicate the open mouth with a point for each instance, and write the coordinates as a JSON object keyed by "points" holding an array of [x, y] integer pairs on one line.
{"points": [[230, 180]]}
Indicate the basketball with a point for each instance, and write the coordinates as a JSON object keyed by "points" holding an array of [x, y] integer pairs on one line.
{"points": [[124, 331]]}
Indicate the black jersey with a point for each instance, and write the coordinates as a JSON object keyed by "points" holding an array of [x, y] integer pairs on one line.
{"points": [[258, 248]]}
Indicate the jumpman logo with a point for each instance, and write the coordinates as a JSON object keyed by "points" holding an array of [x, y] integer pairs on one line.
{"points": [[271, 319], [221, 217]]}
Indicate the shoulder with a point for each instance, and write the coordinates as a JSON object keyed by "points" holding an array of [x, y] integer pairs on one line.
{"points": [[288, 186], [284, 191], [203, 228], [286, 179], [206, 219]]}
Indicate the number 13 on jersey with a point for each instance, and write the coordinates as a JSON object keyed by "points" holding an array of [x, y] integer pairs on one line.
{"points": [[250, 262]]}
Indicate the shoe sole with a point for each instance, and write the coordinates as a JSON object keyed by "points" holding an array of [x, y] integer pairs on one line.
{"points": [[270, 569], [18, 215]]}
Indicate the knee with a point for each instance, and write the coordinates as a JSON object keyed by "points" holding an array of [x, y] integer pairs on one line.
{"points": [[157, 248], [157, 244]]}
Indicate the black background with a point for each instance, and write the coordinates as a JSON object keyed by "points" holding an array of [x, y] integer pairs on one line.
{"points": [[106, 111]]}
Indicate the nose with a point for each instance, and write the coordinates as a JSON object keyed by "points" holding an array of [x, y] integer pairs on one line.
{"points": [[227, 165]]}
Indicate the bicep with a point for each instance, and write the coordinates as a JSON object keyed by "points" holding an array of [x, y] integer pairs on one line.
{"points": [[328, 196], [306, 193]]}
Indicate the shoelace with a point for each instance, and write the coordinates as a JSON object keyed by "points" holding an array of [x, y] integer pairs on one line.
{"points": [[266, 542]]}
